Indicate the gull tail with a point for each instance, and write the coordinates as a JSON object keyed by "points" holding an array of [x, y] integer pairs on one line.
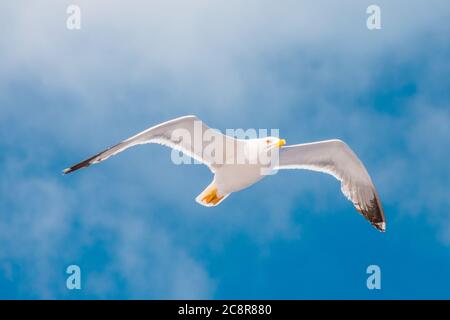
{"points": [[211, 197]]}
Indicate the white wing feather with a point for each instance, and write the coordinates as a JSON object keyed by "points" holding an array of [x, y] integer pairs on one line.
{"points": [[337, 159], [166, 134]]}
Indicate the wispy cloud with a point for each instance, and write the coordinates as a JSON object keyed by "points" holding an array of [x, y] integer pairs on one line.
{"points": [[315, 73]]}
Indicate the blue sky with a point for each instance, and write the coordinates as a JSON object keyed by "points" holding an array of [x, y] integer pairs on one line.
{"points": [[310, 68]]}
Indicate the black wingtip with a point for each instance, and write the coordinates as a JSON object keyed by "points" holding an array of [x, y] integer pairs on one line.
{"points": [[69, 170], [381, 226], [84, 164], [375, 214]]}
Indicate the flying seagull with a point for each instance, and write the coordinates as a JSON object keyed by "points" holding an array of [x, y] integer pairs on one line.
{"points": [[234, 168]]}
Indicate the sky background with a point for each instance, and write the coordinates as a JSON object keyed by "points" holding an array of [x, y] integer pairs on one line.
{"points": [[309, 68]]}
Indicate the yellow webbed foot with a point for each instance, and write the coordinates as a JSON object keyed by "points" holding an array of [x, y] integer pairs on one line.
{"points": [[212, 197]]}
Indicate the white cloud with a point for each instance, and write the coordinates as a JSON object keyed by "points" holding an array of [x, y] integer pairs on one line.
{"points": [[46, 228], [306, 67]]}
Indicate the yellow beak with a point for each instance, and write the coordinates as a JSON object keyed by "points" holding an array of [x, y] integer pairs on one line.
{"points": [[281, 143]]}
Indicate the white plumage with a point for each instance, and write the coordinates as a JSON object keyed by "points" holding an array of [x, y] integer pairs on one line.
{"points": [[234, 167]]}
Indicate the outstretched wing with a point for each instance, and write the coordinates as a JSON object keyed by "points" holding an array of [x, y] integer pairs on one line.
{"points": [[187, 134], [336, 158]]}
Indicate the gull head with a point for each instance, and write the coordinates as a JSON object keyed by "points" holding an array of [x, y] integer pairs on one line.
{"points": [[271, 143], [263, 151]]}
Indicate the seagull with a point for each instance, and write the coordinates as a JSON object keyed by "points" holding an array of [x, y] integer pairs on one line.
{"points": [[234, 166]]}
